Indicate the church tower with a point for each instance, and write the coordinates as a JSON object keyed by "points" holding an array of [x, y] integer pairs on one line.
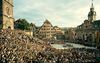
{"points": [[6, 14], [92, 14]]}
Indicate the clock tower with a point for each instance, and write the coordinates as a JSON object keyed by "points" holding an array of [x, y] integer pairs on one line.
{"points": [[92, 14], [6, 14]]}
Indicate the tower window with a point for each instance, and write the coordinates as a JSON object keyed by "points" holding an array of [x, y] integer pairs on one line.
{"points": [[8, 10]]}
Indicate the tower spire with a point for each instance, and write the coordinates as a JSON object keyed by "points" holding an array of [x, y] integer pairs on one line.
{"points": [[92, 13], [92, 5]]}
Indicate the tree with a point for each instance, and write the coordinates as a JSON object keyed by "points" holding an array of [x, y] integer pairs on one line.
{"points": [[23, 24]]}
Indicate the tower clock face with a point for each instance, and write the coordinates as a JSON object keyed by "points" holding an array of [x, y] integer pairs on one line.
{"points": [[8, 10]]}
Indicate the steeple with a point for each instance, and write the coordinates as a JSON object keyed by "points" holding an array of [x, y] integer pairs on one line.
{"points": [[92, 7], [92, 13]]}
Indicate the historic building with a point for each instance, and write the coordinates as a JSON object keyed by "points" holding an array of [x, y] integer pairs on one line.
{"points": [[48, 31], [59, 34], [6, 14], [58, 30], [92, 14], [89, 30], [70, 34]]}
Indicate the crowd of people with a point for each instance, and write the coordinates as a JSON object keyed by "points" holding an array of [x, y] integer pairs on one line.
{"points": [[17, 47], [14, 45], [66, 56]]}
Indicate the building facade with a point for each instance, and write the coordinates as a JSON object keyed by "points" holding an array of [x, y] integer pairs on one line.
{"points": [[59, 34], [89, 30], [6, 14], [70, 34], [48, 31]]}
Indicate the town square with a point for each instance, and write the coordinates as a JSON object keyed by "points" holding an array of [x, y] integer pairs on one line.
{"points": [[49, 31]]}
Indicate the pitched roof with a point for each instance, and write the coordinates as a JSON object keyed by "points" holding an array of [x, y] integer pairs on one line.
{"points": [[47, 21]]}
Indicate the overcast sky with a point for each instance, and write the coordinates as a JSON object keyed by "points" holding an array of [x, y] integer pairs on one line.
{"points": [[62, 13]]}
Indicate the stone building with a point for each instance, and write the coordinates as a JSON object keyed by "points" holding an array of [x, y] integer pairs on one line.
{"points": [[59, 34], [48, 31], [58, 30], [89, 30], [70, 34], [6, 14]]}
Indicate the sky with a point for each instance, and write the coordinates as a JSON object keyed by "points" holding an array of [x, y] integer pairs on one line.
{"points": [[62, 13]]}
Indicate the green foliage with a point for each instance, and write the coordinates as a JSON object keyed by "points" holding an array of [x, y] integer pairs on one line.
{"points": [[23, 24]]}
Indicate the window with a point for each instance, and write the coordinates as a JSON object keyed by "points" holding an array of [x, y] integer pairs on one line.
{"points": [[8, 10], [86, 26]]}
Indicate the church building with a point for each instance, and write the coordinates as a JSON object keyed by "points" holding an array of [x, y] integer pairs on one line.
{"points": [[6, 14]]}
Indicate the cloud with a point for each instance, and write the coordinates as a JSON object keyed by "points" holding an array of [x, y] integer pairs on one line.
{"points": [[63, 13]]}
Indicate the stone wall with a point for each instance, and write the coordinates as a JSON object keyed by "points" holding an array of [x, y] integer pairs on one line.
{"points": [[6, 16]]}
